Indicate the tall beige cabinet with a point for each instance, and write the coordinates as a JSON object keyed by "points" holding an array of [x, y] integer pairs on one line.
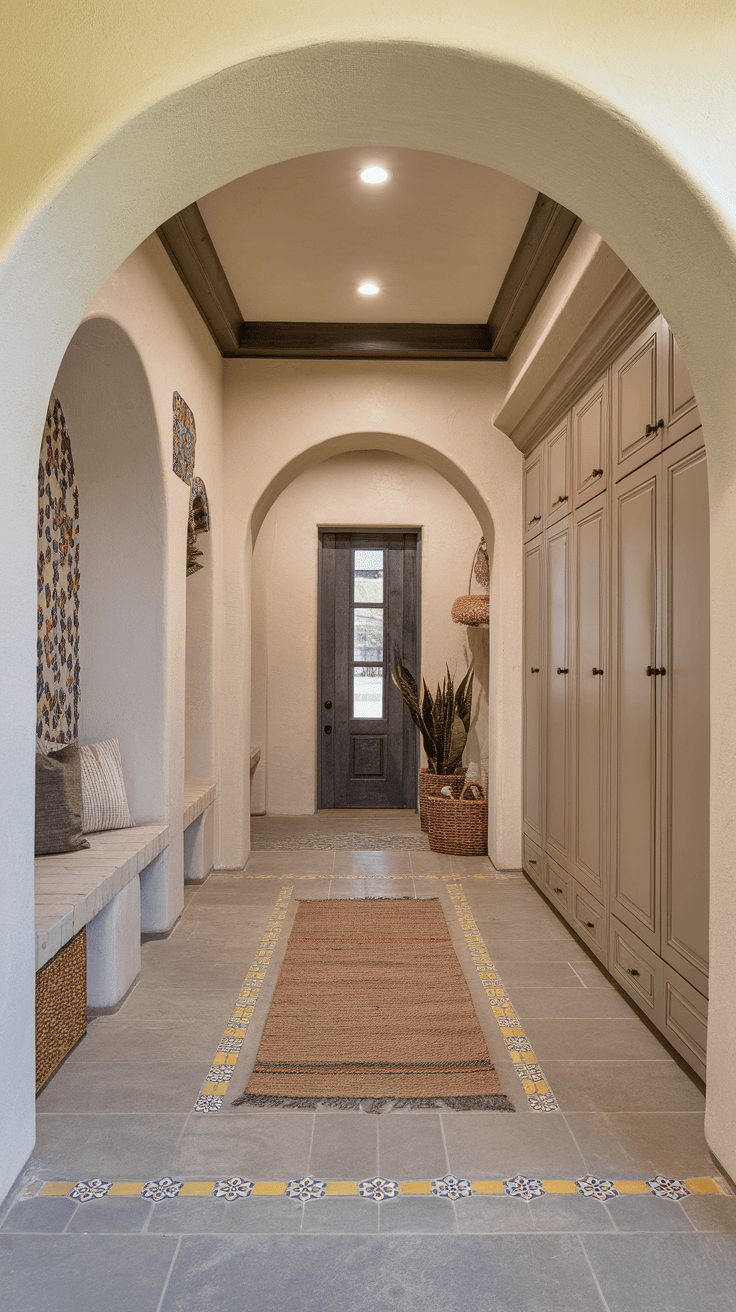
{"points": [[616, 680]]}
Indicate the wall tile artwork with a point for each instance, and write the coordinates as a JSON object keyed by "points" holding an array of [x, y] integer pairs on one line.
{"points": [[199, 522], [57, 680], [185, 438]]}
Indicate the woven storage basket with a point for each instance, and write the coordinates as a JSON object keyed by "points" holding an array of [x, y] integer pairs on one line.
{"points": [[61, 1006], [472, 609], [459, 826], [429, 784]]}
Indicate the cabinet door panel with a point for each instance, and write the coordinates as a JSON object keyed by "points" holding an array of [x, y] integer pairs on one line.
{"points": [[590, 442], [558, 481], [685, 727], [682, 411], [635, 882], [533, 688], [591, 677], [557, 826], [637, 401], [533, 504]]}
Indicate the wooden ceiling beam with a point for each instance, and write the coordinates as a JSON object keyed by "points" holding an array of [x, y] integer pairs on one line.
{"points": [[545, 238]]}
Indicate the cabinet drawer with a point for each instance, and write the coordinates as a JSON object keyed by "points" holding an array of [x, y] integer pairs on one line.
{"points": [[685, 1019], [532, 859], [558, 885], [588, 918], [638, 970]]}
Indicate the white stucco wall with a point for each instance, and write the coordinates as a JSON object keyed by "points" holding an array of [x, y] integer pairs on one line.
{"points": [[283, 417], [370, 490]]}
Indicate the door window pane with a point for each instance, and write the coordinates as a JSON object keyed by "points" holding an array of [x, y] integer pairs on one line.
{"points": [[367, 692], [367, 634], [368, 576]]}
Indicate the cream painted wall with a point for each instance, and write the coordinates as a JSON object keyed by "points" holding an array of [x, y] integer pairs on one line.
{"points": [[369, 489], [563, 99], [281, 418]]}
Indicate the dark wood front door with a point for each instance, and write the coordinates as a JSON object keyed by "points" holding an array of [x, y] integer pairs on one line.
{"points": [[368, 615]]}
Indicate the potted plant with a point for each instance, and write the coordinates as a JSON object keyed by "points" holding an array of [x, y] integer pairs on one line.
{"points": [[443, 721]]}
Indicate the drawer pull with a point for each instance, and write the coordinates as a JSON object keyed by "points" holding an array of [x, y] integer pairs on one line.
{"points": [[559, 890], [630, 971], [535, 519], [560, 499], [655, 669], [532, 862], [589, 924], [595, 671], [535, 669], [652, 428], [561, 671]]}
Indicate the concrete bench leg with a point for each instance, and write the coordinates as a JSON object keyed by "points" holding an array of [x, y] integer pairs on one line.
{"points": [[114, 949], [162, 893], [199, 847]]}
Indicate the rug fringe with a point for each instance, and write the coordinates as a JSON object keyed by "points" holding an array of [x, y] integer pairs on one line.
{"points": [[486, 1102]]}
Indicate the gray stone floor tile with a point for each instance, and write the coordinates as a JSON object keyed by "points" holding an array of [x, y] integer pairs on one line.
{"points": [[180, 1003], [550, 974], [290, 862], [340, 1216], [493, 1214], [411, 1147], [538, 950], [592, 976], [205, 973], [265, 1147], [494, 1145], [569, 1212], [430, 863], [372, 863], [174, 1216], [573, 1002], [619, 1086], [644, 1212], [111, 1216], [600, 1039], [82, 1272], [406, 1215], [408, 1273], [679, 1273], [119, 1039], [360, 888], [344, 1146], [711, 1212], [159, 1086], [135, 1147], [631, 1146], [40, 1215]]}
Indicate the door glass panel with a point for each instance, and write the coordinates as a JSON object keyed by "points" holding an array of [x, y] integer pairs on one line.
{"points": [[367, 692], [368, 576], [367, 634]]}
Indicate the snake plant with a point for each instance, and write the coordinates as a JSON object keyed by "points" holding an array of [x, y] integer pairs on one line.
{"points": [[442, 720]]}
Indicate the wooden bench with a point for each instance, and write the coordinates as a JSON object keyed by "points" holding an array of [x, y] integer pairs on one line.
{"points": [[199, 797], [101, 888]]}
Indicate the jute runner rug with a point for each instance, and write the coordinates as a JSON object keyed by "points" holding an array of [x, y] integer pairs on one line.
{"points": [[372, 1009]]}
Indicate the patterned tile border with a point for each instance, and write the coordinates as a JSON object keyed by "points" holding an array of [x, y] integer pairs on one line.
{"points": [[528, 1069], [368, 875], [307, 1188], [223, 1064]]}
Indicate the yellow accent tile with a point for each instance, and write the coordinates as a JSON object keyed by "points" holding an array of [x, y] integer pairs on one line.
{"points": [[197, 1189], [268, 1188], [559, 1186], [339, 1188], [703, 1186], [512, 1032], [126, 1189], [487, 1186], [56, 1189], [416, 1187], [631, 1186]]}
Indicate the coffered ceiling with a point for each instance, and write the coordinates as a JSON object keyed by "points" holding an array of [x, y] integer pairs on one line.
{"points": [[460, 254]]}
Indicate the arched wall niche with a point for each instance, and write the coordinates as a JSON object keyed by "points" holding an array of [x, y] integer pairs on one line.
{"points": [[545, 118], [361, 488], [110, 413]]}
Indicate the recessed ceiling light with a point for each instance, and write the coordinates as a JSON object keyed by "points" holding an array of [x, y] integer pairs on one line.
{"points": [[374, 174], [368, 289]]}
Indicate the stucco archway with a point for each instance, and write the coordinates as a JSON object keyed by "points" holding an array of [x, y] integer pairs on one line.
{"points": [[654, 210]]}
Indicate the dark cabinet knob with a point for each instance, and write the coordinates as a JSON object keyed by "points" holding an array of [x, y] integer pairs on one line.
{"points": [[655, 669], [590, 924], [532, 862], [652, 428], [328, 728], [535, 669], [559, 890], [631, 971], [560, 499], [328, 706], [561, 671], [535, 519], [595, 671]]}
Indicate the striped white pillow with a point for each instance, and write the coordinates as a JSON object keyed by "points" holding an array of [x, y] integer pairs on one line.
{"points": [[104, 803]]}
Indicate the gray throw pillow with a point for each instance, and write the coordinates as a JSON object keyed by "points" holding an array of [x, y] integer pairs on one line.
{"points": [[59, 802]]}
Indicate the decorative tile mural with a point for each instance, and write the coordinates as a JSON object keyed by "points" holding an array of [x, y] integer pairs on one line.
{"points": [[199, 522], [57, 680], [185, 438]]}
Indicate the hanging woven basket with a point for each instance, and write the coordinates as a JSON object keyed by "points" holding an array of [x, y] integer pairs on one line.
{"points": [[472, 610]]}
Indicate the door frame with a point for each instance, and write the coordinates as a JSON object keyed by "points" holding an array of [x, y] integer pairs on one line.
{"points": [[377, 531]]}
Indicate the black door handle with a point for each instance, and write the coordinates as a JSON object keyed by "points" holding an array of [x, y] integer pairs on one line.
{"points": [[328, 706], [328, 728]]}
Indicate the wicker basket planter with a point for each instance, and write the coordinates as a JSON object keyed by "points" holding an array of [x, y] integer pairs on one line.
{"points": [[61, 1006], [429, 784], [459, 826]]}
